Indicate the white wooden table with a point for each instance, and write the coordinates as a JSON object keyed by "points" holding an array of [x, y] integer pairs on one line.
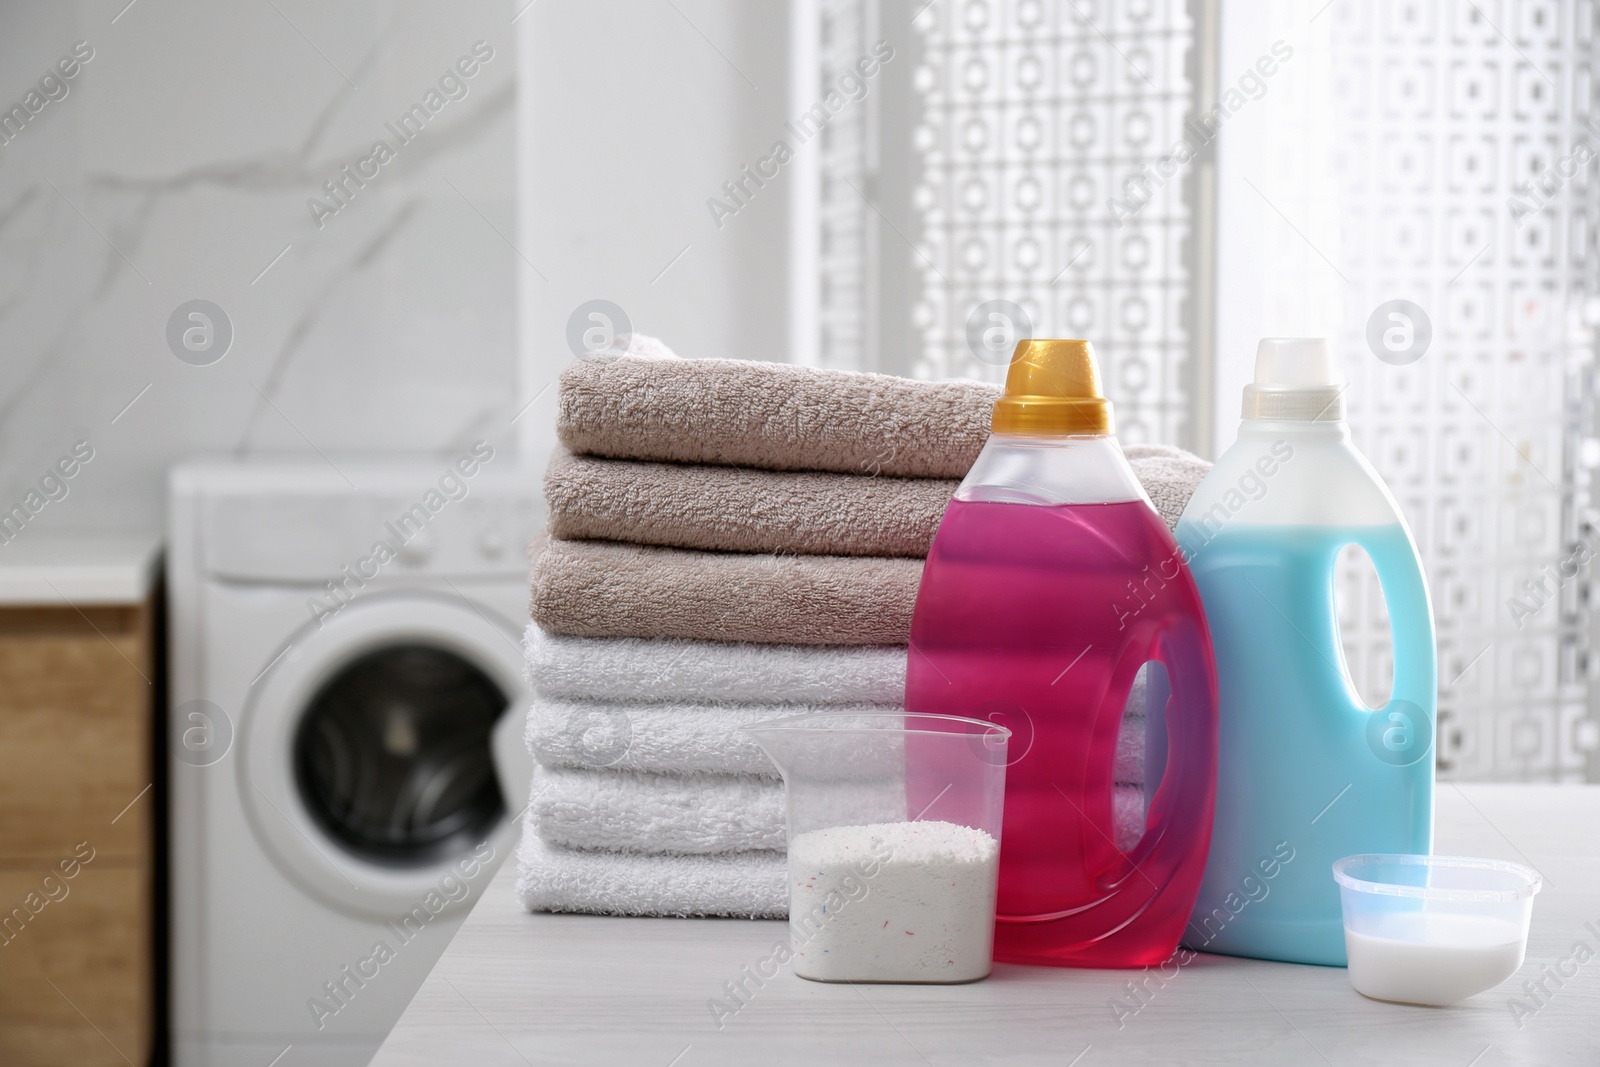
{"points": [[516, 989]]}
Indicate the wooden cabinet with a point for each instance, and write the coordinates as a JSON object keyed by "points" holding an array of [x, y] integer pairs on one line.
{"points": [[77, 823]]}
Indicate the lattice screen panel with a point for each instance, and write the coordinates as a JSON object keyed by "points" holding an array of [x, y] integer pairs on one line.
{"points": [[1034, 115], [1444, 108], [1029, 117]]}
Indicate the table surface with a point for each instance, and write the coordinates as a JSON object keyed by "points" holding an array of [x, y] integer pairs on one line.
{"points": [[516, 989]]}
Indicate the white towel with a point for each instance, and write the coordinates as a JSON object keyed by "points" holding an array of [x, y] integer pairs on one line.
{"points": [[1127, 766], [1128, 762], [610, 701], [663, 738], [705, 738], [737, 884], [635, 668], [703, 814], [636, 812], [1127, 811]]}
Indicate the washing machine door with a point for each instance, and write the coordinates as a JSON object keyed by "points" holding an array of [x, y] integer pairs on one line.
{"points": [[384, 744]]}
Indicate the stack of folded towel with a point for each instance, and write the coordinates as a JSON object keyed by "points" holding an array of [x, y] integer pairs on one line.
{"points": [[729, 542]]}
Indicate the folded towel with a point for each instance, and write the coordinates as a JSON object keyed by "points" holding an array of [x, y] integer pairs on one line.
{"points": [[771, 415], [605, 589], [671, 738], [750, 885], [631, 668], [1169, 475], [1127, 813], [701, 814], [1127, 765], [635, 812], [705, 738], [740, 509], [731, 884]]}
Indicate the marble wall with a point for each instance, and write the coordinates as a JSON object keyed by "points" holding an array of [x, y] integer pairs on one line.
{"points": [[189, 158], [179, 163]]}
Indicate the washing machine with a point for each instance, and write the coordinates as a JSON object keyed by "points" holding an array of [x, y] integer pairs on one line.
{"points": [[345, 754]]}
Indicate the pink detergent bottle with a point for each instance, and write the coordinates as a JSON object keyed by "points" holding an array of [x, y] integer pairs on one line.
{"points": [[1051, 582]]}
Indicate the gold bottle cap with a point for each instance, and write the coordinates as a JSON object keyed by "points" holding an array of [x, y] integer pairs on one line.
{"points": [[1053, 387]]}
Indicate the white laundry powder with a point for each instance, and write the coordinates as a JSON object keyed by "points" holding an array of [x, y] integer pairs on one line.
{"points": [[893, 902]]}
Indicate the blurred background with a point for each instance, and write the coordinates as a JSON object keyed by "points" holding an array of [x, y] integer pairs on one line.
{"points": [[336, 250]]}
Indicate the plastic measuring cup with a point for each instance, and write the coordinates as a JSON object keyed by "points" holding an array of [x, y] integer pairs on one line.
{"points": [[894, 843], [1433, 929]]}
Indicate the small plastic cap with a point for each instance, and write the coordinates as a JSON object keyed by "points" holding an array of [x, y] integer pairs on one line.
{"points": [[1053, 388], [1297, 379], [1296, 361]]}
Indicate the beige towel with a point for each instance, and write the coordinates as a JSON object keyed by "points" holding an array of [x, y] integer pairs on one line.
{"points": [[772, 415], [1169, 475], [739, 509], [604, 589]]}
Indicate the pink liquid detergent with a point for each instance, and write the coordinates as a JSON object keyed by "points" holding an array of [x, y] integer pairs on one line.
{"points": [[1039, 616]]}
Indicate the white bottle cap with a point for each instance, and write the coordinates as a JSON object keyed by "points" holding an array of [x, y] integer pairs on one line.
{"points": [[1297, 378]]}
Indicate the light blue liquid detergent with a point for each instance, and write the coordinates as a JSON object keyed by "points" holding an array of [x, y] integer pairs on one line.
{"points": [[1307, 772]]}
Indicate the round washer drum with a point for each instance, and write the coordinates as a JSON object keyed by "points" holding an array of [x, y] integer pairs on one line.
{"points": [[375, 746], [392, 756]]}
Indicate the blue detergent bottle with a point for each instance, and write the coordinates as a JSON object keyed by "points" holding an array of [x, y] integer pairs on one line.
{"points": [[1307, 773]]}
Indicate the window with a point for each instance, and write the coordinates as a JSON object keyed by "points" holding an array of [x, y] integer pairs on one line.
{"points": [[1343, 165]]}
